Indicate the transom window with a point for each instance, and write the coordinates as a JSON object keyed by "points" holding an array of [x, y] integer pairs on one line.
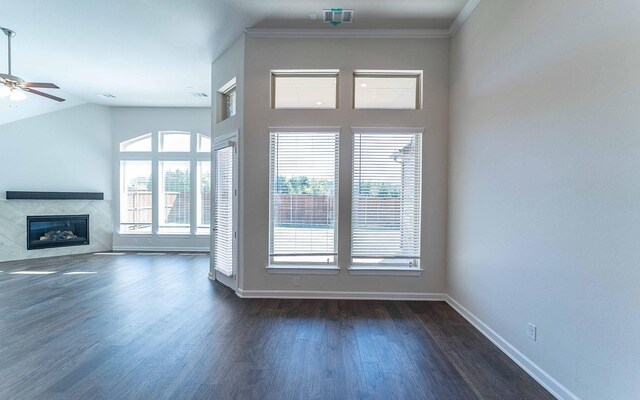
{"points": [[304, 89], [140, 143], [303, 196], [375, 89], [226, 100], [159, 175]]}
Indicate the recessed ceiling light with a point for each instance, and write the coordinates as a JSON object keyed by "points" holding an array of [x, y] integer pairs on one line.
{"points": [[199, 94], [319, 103], [363, 85], [107, 95]]}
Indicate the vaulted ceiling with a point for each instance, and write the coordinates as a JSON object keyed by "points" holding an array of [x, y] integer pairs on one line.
{"points": [[159, 52]]}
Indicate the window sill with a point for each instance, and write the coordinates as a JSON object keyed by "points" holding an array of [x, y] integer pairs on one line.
{"points": [[303, 269], [393, 271]]}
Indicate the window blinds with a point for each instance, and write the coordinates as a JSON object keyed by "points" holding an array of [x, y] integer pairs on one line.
{"points": [[303, 187], [386, 198], [223, 213]]}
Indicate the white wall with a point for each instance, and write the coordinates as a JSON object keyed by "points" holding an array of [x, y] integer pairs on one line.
{"points": [[68, 150], [129, 122], [263, 55], [545, 185]]}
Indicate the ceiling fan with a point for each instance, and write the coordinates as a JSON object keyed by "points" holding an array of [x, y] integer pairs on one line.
{"points": [[15, 87]]}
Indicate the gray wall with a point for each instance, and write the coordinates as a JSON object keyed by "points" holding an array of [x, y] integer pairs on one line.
{"points": [[263, 55], [545, 185], [228, 66]]}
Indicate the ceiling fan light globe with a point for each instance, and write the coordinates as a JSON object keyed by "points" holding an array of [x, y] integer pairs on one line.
{"points": [[4, 91], [17, 95]]}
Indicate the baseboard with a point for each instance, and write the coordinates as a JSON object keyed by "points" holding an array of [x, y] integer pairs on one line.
{"points": [[531, 368], [162, 248], [306, 294]]}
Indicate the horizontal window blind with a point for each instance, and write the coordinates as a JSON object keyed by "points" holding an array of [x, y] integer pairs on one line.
{"points": [[303, 187], [223, 214], [386, 199]]}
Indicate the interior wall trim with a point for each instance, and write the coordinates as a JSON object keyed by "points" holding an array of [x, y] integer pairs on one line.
{"points": [[348, 33], [367, 33], [531, 368], [464, 14], [310, 294]]}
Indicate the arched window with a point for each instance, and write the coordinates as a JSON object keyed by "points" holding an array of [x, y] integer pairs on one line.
{"points": [[165, 184]]}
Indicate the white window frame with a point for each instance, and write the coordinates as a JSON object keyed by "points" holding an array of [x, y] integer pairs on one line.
{"points": [[156, 156], [304, 73], [388, 269], [378, 73], [222, 275], [221, 100], [306, 267]]}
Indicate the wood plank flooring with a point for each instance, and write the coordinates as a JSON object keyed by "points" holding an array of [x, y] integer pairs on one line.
{"points": [[154, 327]]}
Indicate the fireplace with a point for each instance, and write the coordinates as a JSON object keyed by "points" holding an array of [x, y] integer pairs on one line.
{"points": [[46, 231]]}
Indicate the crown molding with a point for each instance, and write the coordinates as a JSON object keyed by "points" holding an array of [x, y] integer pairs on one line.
{"points": [[464, 14], [349, 33], [367, 33]]}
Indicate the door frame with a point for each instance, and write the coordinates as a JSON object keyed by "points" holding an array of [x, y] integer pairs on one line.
{"points": [[222, 142]]}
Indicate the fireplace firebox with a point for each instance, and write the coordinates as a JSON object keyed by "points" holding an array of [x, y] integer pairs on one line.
{"points": [[46, 231]]}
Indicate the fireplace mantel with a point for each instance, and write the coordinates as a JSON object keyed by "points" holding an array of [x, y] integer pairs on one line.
{"points": [[21, 195]]}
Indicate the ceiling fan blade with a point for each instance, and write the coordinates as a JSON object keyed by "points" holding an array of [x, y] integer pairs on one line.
{"points": [[40, 85], [39, 93]]}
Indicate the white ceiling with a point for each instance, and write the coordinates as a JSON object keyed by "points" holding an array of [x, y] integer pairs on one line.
{"points": [[158, 52]]}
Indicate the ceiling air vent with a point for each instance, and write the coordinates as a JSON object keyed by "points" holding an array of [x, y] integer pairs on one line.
{"points": [[336, 16], [199, 94]]}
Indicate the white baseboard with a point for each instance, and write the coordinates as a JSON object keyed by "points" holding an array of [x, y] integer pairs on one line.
{"points": [[531, 368], [306, 294], [162, 248]]}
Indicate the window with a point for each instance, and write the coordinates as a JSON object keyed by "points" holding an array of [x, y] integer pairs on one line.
{"points": [[175, 197], [304, 89], [135, 196], [204, 143], [140, 143], [167, 189], [226, 100], [204, 197], [303, 197], [224, 237], [387, 90], [175, 141], [229, 102], [385, 228]]}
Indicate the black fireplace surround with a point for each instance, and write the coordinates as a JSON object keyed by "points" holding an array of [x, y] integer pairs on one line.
{"points": [[46, 231]]}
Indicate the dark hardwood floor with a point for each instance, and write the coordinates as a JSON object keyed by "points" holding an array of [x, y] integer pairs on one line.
{"points": [[154, 327]]}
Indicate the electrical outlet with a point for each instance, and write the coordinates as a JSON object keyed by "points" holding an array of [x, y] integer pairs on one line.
{"points": [[296, 281], [532, 331]]}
